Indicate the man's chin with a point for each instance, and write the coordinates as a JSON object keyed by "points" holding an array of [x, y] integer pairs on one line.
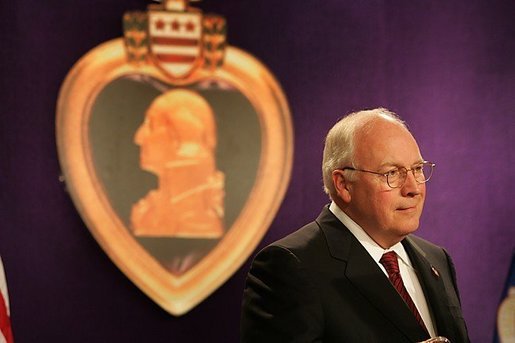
{"points": [[147, 167], [408, 229]]}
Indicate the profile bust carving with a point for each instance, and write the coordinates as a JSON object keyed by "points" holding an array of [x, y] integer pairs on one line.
{"points": [[177, 143]]}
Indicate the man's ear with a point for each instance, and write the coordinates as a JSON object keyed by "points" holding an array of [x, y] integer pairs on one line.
{"points": [[342, 186]]}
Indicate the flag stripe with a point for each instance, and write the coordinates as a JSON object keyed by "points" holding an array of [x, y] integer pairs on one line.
{"points": [[176, 58], [175, 41], [175, 50]]}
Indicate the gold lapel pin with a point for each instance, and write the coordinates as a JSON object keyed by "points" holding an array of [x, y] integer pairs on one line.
{"points": [[435, 272]]}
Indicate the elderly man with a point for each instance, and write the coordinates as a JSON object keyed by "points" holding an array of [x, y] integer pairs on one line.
{"points": [[357, 274]]}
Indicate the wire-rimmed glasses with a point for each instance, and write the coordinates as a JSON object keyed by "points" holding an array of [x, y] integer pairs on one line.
{"points": [[396, 177]]}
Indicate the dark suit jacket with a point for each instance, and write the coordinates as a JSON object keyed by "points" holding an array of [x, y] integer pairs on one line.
{"points": [[320, 285]]}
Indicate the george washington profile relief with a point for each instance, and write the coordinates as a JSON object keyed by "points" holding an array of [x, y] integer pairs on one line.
{"points": [[177, 143]]}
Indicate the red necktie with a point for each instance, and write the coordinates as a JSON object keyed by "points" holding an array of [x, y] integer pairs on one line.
{"points": [[5, 321], [389, 261]]}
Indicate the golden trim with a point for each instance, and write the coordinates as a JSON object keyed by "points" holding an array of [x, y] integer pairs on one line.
{"points": [[175, 294]]}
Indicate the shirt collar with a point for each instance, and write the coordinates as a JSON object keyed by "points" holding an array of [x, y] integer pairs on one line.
{"points": [[374, 249]]}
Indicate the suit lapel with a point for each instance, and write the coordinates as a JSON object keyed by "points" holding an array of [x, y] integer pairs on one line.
{"points": [[432, 285], [366, 276]]}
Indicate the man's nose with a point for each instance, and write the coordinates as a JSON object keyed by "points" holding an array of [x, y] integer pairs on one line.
{"points": [[410, 187], [140, 134]]}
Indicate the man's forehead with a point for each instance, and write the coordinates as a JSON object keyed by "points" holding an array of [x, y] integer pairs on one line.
{"points": [[398, 164], [387, 144]]}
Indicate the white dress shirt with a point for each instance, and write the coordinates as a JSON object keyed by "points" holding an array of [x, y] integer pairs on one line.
{"points": [[408, 273]]}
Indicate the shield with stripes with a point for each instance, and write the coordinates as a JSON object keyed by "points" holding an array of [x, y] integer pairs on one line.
{"points": [[175, 41]]}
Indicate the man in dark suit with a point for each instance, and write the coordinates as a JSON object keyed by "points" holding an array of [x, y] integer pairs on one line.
{"points": [[357, 274]]}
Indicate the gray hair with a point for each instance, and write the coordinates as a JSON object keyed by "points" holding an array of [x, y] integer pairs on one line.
{"points": [[340, 141]]}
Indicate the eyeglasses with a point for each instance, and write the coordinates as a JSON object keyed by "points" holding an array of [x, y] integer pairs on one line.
{"points": [[396, 177]]}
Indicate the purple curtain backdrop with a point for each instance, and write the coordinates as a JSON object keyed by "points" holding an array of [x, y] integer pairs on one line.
{"points": [[448, 68]]}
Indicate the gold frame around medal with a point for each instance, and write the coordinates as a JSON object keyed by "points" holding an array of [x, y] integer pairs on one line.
{"points": [[175, 294]]}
